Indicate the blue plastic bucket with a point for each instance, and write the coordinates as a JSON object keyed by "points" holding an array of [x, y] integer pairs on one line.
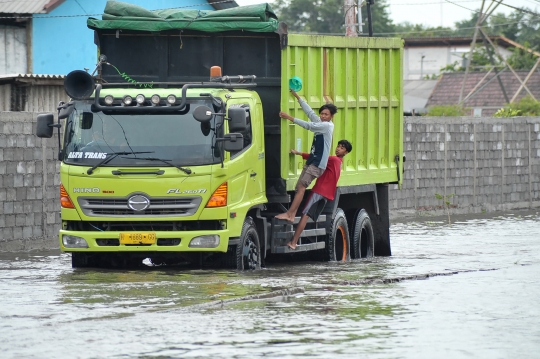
{"points": [[295, 84]]}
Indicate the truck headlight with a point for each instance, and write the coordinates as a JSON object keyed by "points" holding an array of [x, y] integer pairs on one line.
{"points": [[155, 99], [109, 99], [74, 242], [211, 241], [171, 99]]}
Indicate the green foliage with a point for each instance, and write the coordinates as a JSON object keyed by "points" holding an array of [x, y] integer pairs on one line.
{"points": [[311, 15], [446, 200], [517, 26], [506, 112], [527, 106], [522, 59], [466, 27], [448, 110], [480, 62], [431, 77], [328, 16], [454, 67], [407, 29]]}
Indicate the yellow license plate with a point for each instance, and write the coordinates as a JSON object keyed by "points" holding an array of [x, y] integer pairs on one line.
{"points": [[138, 238]]}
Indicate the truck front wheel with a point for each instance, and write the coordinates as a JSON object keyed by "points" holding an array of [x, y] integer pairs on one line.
{"points": [[337, 238], [363, 241], [247, 254]]}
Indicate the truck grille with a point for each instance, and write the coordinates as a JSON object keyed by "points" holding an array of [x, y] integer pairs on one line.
{"points": [[118, 207]]}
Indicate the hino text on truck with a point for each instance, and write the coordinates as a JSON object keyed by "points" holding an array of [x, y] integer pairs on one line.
{"points": [[173, 150]]}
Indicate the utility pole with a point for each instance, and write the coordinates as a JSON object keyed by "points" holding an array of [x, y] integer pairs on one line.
{"points": [[350, 18], [422, 67]]}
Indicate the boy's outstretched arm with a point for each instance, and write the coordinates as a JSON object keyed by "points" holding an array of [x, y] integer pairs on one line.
{"points": [[286, 116], [312, 115]]}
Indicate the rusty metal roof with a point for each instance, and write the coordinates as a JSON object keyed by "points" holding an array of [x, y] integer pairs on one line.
{"points": [[28, 6], [482, 92]]}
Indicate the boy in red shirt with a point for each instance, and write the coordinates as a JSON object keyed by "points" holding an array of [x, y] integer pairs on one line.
{"points": [[324, 189]]}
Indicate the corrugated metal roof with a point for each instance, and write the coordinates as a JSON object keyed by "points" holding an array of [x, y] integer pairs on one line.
{"points": [[223, 4], [31, 76], [23, 6]]}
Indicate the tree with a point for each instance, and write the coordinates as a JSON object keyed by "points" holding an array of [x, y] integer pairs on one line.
{"points": [[328, 16], [522, 59], [407, 29], [466, 27]]}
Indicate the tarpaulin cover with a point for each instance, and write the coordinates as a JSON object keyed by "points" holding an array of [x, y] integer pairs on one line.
{"points": [[123, 16]]}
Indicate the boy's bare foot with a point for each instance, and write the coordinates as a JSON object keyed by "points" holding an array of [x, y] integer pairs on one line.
{"points": [[286, 217], [291, 246]]}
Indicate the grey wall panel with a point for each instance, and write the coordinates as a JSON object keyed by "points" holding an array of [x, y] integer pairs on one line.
{"points": [[5, 97], [13, 56], [45, 98]]}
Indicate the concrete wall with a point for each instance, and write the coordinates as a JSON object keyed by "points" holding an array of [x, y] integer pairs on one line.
{"points": [[29, 180], [488, 165]]}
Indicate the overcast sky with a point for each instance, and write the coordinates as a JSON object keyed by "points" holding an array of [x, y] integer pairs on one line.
{"points": [[437, 12]]}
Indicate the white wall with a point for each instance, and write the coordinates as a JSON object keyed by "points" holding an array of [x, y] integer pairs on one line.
{"points": [[435, 57]]}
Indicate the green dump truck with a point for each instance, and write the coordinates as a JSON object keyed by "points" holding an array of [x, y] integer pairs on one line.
{"points": [[165, 158]]}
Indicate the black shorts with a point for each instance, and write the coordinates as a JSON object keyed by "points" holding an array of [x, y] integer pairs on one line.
{"points": [[314, 205]]}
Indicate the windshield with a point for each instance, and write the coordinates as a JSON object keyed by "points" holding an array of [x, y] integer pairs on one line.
{"points": [[178, 139]]}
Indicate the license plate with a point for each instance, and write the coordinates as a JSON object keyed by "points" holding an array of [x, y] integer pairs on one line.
{"points": [[138, 238]]}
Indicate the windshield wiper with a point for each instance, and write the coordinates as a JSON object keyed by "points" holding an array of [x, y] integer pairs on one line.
{"points": [[113, 155], [186, 170]]}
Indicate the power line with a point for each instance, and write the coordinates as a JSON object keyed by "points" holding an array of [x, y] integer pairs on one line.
{"points": [[446, 30], [423, 31], [518, 9], [429, 3], [476, 11]]}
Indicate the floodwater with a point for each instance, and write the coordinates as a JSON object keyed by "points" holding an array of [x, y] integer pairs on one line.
{"points": [[466, 290]]}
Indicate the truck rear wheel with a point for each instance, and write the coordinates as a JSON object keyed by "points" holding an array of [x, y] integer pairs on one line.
{"points": [[247, 254], [337, 238], [363, 241]]}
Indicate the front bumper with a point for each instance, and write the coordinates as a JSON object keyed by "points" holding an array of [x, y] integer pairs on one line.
{"points": [[166, 241]]}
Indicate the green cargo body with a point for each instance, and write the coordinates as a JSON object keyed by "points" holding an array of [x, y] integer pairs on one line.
{"points": [[363, 78]]}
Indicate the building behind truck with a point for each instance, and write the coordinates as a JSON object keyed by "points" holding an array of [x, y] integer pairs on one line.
{"points": [[173, 150]]}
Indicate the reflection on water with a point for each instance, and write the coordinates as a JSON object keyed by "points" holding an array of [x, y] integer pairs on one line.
{"points": [[480, 301]]}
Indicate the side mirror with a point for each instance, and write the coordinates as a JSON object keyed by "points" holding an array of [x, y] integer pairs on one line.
{"points": [[237, 119], [233, 142], [202, 114], [45, 125]]}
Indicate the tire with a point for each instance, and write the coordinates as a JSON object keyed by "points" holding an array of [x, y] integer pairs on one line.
{"points": [[247, 254], [363, 240], [337, 238]]}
